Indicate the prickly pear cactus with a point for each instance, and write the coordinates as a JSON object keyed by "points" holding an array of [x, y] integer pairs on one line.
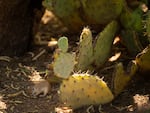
{"points": [[103, 43], [132, 34], [143, 59], [131, 19], [85, 56], [99, 53], [67, 11], [122, 77], [101, 11], [63, 64], [78, 13], [84, 89], [131, 41]]}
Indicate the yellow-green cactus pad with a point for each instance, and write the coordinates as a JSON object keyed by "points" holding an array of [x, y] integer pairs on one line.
{"points": [[121, 77], [143, 59], [64, 65], [83, 89], [85, 56]]}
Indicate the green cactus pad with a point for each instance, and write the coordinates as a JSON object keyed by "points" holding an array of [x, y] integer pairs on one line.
{"points": [[64, 65], [83, 89], [85, 56], [131, 41], [131, 19], [101, 11], [103, 44], [63, 44]]}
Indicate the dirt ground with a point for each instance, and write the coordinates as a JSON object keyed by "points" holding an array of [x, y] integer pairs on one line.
{"points": [[15, 72]]}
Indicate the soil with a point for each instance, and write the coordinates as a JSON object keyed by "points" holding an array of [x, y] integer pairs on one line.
{"points": [[15, 76]]}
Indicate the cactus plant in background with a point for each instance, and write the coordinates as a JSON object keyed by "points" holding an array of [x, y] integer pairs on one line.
{"points": [[84, 89], [131, 40], [78, 13], [132, 22], [101, 12], [67, 11]]}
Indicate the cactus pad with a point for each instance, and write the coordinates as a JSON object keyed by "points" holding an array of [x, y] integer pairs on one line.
{"points": [[104, 43], [101, 11], [85, 56], [78, 13], [131, 40], [63, 44], [83, 89], [64, 65], [143, 59], [121, 77]]}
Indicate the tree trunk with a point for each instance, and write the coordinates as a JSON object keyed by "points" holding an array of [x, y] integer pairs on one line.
{"points": [[16, 22]]}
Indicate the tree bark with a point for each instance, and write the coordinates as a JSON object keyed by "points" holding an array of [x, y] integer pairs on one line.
{"points": [[16, 22]]}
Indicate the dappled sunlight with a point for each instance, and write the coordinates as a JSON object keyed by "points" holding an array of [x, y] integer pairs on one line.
{"points": [[3, 105], [48, 16], [63, 110], [115, 57], [52, 43], [48, 30], [142, 102], [117, 54], [116, 40]]}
